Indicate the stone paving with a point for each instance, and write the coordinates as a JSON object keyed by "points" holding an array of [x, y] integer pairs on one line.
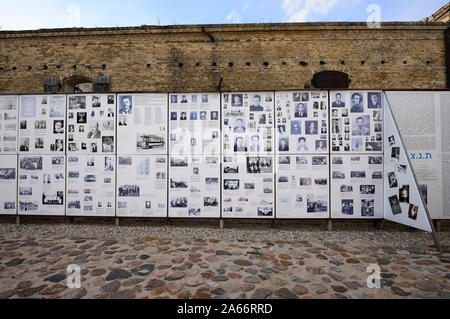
{"points": [[203, 269]]}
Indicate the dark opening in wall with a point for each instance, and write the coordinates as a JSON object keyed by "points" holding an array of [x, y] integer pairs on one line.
{"points": [[303, 63], [266, 64], [248, 63], [77, 84], [231, 64], [331, 80]]}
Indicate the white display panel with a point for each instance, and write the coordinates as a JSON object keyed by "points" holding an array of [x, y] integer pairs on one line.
{"points": [[195, 124], [8, 184], [141, 124], [91, 124], [8, 124], [302, 122], [194, 186], [356, 122], [403, 202], [248, 187], [42, 185], [248, 123], [91, 185], [302, 187], [357, 186], [422, 120], [142, 186], [42, 126]]}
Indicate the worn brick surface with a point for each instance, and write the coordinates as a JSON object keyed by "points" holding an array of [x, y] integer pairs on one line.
{"points": [[183, 58]]}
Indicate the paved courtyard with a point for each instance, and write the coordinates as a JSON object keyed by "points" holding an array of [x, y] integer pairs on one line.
{"points": [[210, 263]]}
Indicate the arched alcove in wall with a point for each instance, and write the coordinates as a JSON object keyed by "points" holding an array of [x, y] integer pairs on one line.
{"points": [[331, 80], [76, 84]]}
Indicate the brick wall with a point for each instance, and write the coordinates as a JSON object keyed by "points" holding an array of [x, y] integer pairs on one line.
{"points": [[183, 58]]}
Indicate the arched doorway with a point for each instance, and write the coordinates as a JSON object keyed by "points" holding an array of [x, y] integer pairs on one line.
{"points": [[77, 84], [331, 80]]}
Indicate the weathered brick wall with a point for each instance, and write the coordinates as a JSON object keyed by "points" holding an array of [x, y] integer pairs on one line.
{"points": [[183, 58]]}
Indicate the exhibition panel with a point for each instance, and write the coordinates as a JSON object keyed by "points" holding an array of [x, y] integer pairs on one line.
{"points": [[142, 186], [8, 123], [422, 121], [248, 123], [91, 124], [403, 201], [42, 185], [91, 181], [142, 124], [194, 186], [8, 184], [356, 122], [301, 122], [42, 124], [248, 187], [302, 187], [195, 124], [357, 186]]}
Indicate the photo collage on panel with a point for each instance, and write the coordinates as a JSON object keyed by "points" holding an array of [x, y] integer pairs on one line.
{"points": [[42, 185], [248, 123], [406, 199], [301, 122], [91, 124], [195, 124], [142, 124], [194, 186], [302, 186], [356, 122], [42, 127], [357, 186], [142, 186], [91, 185], [8, 124], [8, 184], [248, 187], [302, 131]]}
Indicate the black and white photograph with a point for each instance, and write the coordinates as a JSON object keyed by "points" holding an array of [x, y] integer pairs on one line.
{"points": [[347, 207], [395, 205], [367, 208], [129, 191], [404, 194]]}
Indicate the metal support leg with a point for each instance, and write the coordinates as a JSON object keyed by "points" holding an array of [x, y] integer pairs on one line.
{"points": [[438, 226], [117, 222], [330, 225], [221, 224], [17, 220]]}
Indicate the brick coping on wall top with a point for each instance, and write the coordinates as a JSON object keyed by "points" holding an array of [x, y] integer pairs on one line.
{"points": [[260, 27]]}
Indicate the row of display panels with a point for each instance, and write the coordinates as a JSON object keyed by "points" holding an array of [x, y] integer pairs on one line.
{"points": [[241, 186], [315, 122]]}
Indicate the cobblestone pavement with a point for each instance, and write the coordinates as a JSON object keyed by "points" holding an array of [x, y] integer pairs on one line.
{"points": [[35, 267]]}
